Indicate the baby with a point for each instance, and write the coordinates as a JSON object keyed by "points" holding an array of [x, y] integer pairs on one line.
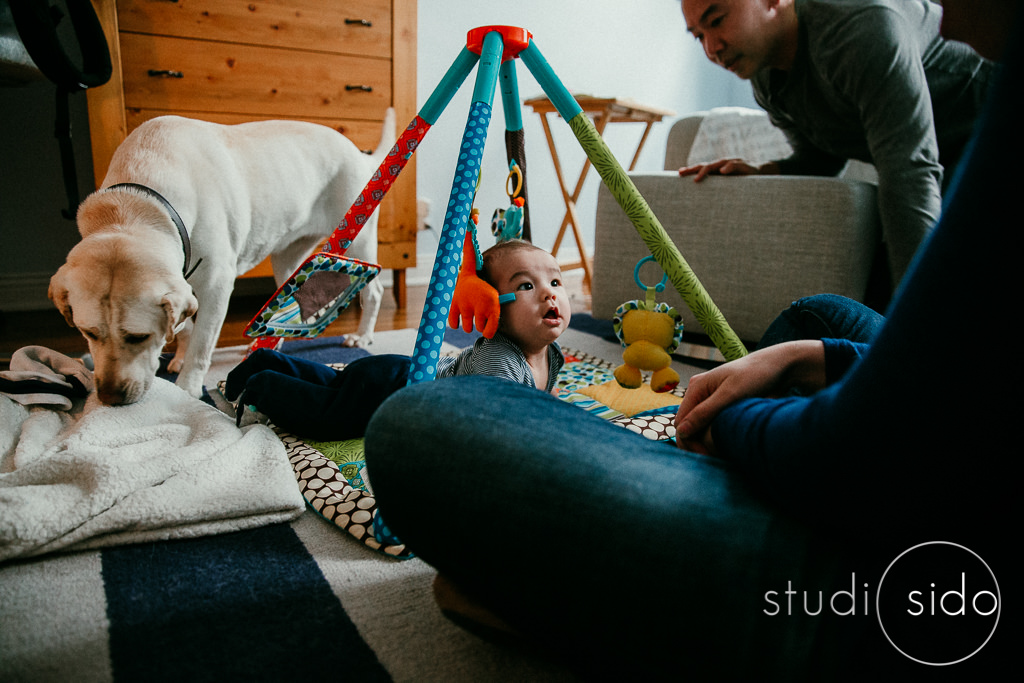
{"points": [[314, 401]]}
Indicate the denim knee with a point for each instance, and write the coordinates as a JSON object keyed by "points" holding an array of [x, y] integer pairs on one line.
{"points": [[824, 316]]}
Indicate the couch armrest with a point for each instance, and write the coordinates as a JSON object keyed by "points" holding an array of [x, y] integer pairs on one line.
{"points": [[680, 140], [756, 243]]}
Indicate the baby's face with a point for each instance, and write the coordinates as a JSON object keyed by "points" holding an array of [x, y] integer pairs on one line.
{"points": [[540, 312]]}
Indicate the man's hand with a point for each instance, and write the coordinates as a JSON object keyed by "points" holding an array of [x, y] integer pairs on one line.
{"points": [[766, 373], [728, 167]]}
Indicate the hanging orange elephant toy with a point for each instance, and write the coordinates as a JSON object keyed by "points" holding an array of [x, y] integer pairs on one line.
{"points": [[650, 332]]}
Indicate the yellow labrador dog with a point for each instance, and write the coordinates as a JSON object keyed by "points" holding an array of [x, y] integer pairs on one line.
{"points": [[207, 202]]}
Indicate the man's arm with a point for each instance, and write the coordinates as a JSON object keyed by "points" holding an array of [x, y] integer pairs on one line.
{"points": [[806, 158], [874, 61]]}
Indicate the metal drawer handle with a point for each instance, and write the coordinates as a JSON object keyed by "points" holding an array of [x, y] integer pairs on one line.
{"points": [[165, 73], [361, 88], [358, 22]]}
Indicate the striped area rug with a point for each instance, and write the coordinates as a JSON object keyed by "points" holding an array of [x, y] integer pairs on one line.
{"points": [[284, 602]]}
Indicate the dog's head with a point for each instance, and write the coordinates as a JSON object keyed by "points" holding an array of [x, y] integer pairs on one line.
{"points": [[126, 304]]}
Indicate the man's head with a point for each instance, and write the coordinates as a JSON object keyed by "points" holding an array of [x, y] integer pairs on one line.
{"points": [[744, 36], [540, 312]]}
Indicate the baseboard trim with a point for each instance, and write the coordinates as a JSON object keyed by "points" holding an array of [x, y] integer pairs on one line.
{"points": [[25, 292]]}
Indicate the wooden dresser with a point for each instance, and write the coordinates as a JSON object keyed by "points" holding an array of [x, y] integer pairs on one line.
{"points": [[340, 63]]}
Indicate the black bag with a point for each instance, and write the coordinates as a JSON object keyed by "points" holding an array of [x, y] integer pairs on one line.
{"points": [[37, 23]]}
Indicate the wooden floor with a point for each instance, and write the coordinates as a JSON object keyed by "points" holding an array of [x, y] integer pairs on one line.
{"points": [[48, 328]]}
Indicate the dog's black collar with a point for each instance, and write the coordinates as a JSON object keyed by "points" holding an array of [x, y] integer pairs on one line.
{"points": [[186, 244]]}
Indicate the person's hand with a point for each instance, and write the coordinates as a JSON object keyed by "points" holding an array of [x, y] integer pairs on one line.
{"points": [[727, 167], [766, 373]]}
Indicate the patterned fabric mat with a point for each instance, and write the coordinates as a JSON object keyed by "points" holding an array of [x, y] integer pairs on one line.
{"points": [[588, 383], [332, 475]]}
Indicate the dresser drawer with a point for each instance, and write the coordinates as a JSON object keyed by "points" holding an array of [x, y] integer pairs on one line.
{"points": [[339, 63], [338, 26], [201, 76], [365, 134]]}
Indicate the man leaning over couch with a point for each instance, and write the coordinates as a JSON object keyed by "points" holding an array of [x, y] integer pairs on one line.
{"points": [[853, 79]]}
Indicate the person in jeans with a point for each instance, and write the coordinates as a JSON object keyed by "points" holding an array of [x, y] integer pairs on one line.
{"points": [[631, 557]]}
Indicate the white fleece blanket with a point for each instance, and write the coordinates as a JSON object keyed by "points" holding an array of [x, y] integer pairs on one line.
{"points": [[738, 133], [168, 466]]}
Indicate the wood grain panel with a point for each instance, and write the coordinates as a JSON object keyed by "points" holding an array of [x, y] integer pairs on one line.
{"points": [[263, 59], [365, 134], [339, 26], [225, 77]]}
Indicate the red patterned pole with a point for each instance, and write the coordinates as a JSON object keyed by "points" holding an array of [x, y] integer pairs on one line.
{"points": [[385, 175]]}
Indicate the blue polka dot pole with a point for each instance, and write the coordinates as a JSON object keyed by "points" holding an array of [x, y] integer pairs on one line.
{"points": [[460, 203]]}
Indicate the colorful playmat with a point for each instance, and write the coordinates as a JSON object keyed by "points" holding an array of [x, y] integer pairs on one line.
{"points": [[332, 475]]}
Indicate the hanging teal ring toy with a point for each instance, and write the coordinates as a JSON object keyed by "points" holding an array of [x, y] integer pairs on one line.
{"points": [[660, 287]]}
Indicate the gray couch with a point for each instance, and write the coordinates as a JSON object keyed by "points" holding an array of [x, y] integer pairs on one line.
{"points": [[756, 243]]}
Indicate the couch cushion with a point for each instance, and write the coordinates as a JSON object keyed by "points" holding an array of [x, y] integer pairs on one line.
{"points": [[755, 243]]}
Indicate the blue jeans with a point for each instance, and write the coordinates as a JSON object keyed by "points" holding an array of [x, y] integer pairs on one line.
{"points": [[824, 316], [537, 507], [629, 556], [586, 536]]}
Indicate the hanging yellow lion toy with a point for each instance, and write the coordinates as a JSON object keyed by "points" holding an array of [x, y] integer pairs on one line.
{"points": [[650, 332]]}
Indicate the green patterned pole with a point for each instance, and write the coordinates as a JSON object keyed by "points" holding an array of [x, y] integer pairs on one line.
{"points": [[657, 239], [637, 209]]}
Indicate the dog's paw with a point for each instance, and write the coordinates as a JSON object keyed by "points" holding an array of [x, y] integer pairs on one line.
{"points": [[175, 364], [357, 340], [194, 387]]}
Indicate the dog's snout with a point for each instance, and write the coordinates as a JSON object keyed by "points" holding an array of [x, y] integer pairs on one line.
{"points": [[112, 395], [118, 391]]}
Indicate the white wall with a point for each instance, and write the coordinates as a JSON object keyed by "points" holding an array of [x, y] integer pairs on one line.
{"points": [[638, 50], [608, 48]]}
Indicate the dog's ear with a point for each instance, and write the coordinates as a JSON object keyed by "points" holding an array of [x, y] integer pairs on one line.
{"points": [[179, 304], [98, 211], [58, 293]]}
